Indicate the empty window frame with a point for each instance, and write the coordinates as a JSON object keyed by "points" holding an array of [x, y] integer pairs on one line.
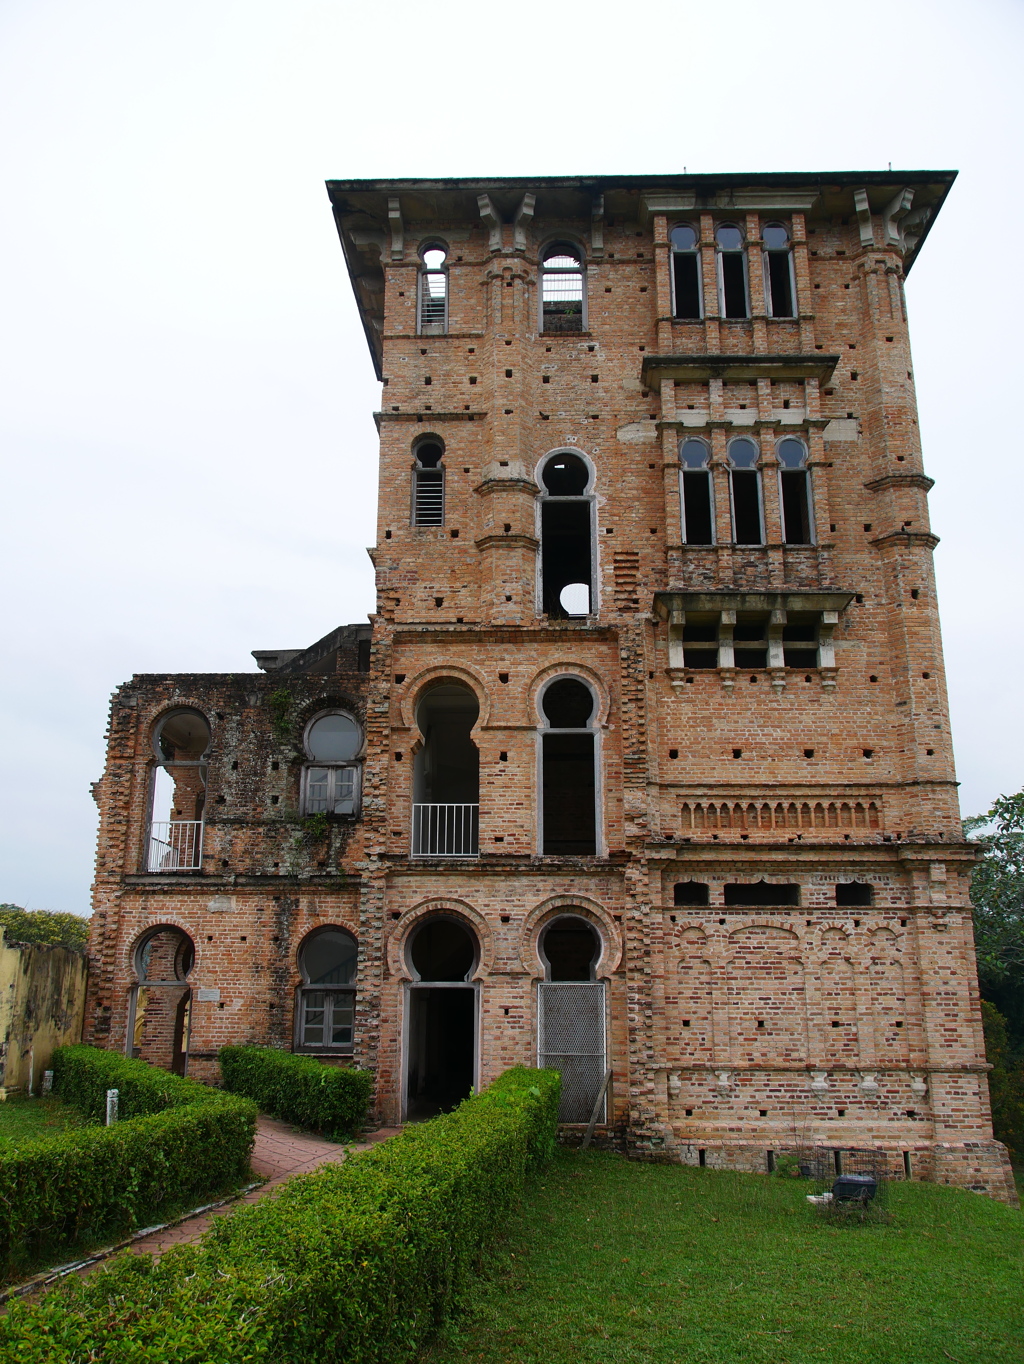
{"points": [[697, 494], [691, 893], [779, 284], [325, 1012], [687, 279], [566, 536], [181, 742], [794, 492], [750, 639], [733, 294], [568, 759], [762, 893], [700, 640], [428, 483], [854, 893], [800, 640], [562, 293], [433, 290], [745, 486], [330, 779]]}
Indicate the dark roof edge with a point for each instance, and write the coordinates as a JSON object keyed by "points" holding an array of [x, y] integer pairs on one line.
{"points": [[465, 182]]}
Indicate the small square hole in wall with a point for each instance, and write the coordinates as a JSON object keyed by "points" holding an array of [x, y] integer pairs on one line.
{"points": [[737, 753], [503, 677], [274, 800], [763, 1112], [926, 676], [903, 924], [721, 922], [455, 534], [832, 526], [508, 374], [686, 1022], [275, 767], [841, 1112], [398, 757], [835, 1023], [506, 918], [808, 752], [673, 753], [209, 936], [930, 752], [243, 938], [859, 598], [760, 1022], [609, 530], [867, 525], [395, 914], [868, 752], [503, 756], [439, 601], [873, 678], [689, 1112], [399, 678], [545, 378], [387, 535], [915, 592]]}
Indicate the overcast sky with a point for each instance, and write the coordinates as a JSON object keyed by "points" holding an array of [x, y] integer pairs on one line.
{"points": [[185, 421]]}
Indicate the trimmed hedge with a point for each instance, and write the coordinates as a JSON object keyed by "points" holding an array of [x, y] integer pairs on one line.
{"points": [[299, 1089], [357, 1262], [179, 1140]]}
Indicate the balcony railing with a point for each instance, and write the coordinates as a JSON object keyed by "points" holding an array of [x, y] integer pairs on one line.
{"points": [[175, 845], [446, 831]]}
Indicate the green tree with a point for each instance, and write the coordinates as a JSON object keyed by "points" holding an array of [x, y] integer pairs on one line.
{"points": [[997, 893], [1005, 1083], [43, 926]]}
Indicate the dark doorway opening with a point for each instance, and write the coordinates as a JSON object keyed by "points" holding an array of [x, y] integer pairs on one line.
{"points": [[569, 814], [442, 1028]]}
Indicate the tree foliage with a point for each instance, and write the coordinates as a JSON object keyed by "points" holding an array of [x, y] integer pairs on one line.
{"points": [[43, 926], [997, 893]]}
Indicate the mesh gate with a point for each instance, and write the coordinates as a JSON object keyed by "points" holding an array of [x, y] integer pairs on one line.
{"points": [[571, 1040]]}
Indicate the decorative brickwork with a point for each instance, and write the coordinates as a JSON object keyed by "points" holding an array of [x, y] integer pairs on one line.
{"points": [[774, 865]]}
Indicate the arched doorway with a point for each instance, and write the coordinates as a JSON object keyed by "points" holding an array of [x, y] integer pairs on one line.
{"points": [[441, 1013], [571, 1015], [446, 775], [160, 1006]]}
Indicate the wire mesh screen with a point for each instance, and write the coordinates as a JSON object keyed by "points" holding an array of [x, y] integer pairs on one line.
{"points": [[572, 1041]]}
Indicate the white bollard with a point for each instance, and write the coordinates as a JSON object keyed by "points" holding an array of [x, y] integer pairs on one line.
{"points": [[111, 1106], [47, 1082], [31, 1072]]}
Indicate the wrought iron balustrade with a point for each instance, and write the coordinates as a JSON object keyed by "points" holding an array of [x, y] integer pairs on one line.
{"points": [[446, 831], [175, 845]]}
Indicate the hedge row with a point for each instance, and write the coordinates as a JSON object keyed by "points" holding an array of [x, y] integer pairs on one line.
{"points": [[358, 1262], [180, 1141], [328, 1099]]}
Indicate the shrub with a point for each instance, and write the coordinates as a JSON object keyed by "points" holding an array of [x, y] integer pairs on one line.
{"points": [[179, 1140], [328, 1099], [46, 926], [360, 1261]]}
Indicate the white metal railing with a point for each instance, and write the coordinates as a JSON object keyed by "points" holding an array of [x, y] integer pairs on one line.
{"points": [[175, 845], [446, 831]]}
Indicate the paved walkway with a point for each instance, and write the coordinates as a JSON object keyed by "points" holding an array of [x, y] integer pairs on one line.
{"points": [[280, 1152]]}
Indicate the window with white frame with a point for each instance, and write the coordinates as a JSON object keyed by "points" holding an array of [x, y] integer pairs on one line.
{"points": [[566, 536], [325, 1012], [795, 492], [333, 741], [428, 483], [697, 494], [779, 285], [745, 486], [733, 294], [687, 281], [561, 289], [568, 759], [433, 290]]}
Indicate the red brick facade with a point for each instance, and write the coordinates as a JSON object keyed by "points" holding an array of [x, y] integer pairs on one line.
{"points": [[769, 719]]}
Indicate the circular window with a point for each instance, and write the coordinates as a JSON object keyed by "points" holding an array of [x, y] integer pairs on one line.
{"points": [[568, 704], [333, 738], [329, 957], [443, 950], [565, 475]]}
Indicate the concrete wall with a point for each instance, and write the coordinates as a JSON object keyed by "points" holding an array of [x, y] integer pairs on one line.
{"points": [[42, 1004]]}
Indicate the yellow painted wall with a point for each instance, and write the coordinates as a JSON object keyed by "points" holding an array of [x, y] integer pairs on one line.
{"points": [[42, 1003]]}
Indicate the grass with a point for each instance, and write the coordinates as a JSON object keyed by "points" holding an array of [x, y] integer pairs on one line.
{"points": [[617, 1262], [24, 1120]]}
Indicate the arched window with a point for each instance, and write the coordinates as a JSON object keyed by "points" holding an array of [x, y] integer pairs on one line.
{"points": [[566, 537], [332, 741], [433, 290], [794, 489], [181, 742], [697, 499], [745, 481], [568, 769], [779, 287], [446, 774], [160, 1003], [441, 1016], [443, 949], [733, 299], [328, 958], [561, 289], [428, 483], [687, 280], [569, 948]]}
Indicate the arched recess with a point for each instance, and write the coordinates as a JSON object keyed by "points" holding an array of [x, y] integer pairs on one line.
{"points": [[181, 739], [569, 755], [609, 933], [160, 1001], [327, 961], [403, 930], [446, 772], [566, 514], [767, 1003], [415, 688]]}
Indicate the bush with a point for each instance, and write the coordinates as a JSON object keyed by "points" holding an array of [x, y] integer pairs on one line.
{"points": [[179, 1141], [328, 1099], [360, 1261], [47, 926]]}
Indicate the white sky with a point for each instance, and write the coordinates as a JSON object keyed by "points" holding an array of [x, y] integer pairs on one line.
{"points": [[185, 392]]}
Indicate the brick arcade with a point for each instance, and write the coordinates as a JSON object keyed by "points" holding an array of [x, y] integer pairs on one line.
{"points": [[642, 765]]}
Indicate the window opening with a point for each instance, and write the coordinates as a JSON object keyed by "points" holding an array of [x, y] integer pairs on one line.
{"points": [[690, 893], [331, 779], [800, 640], [700, 641], [854, 893], [433, 291], [326, 1009], [568, 782], [687, 286], [569, 948], [441, 1049], [698, 514], [428, 484], [446, 775], [178, 795], [794, 483], [566, 559], [561, 289], [762, 893], [732, 271], [750, 640], [778, 271], [745, 481], [160, 1004]]}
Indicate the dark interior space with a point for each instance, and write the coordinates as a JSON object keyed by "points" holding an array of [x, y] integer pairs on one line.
{"points": [[441, 1050], [690, 893], [565, 552], [571, 948], [687, 283], [447, 767], [443, 950], [746, 507], [780, 285], [762, 893], [800, 642], [854, 893], [569, 818], [795, 518], [697, 507], [734, 284]]}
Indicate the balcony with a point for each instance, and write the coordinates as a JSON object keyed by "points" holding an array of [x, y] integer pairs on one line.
{"points": [[175, 845], [446, 831]]}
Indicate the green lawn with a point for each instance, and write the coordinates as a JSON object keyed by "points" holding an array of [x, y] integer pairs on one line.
{"points": [[23, 1120], [617, 1262]]}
